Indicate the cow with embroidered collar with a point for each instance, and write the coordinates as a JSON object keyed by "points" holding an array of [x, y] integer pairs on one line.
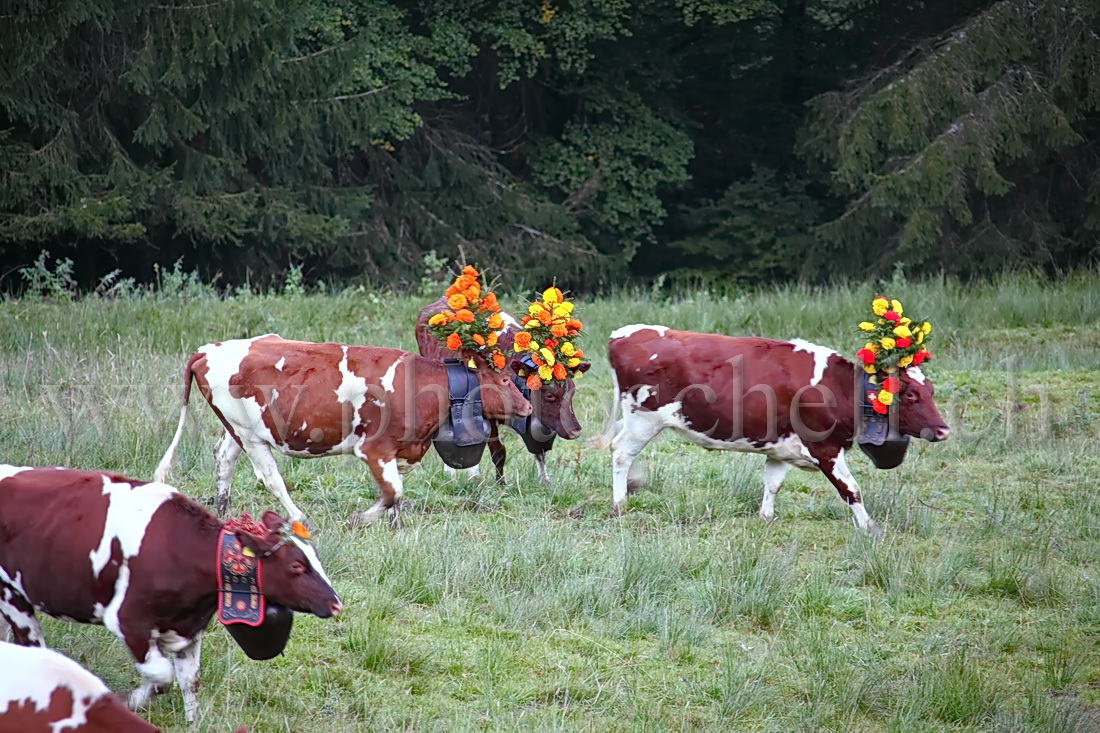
{"points": [[795, 402], [42, 691], [308, 400], [552, 405], [138, 558]]}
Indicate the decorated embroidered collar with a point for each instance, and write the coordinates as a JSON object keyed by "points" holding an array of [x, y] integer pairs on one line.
{"points": [[550, 331], [895, 342], [469, 325]]}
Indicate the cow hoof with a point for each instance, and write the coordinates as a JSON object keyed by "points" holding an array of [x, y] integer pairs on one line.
{"points": [[616, 511], [769, 518], [875, 531], [360, 520]]}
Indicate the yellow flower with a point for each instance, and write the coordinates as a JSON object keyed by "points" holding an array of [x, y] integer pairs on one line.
{"points": [[895, 305], [885, 397], [869, 368], [535, 308], [905, 361], [887, 343], [578, 375], [872, 346], [573, 363], [552, 296], [927, 328], [534, 322], [563, 310], [903, 332], [867, 326], [920, 337], [568, 348], [904, 322], [546, 372], [880, 306], [437, 320], [548, 355]]}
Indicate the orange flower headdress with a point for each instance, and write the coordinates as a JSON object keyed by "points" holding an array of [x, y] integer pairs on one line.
{"points": [[894, 342], [470, 323], [548, 336]]}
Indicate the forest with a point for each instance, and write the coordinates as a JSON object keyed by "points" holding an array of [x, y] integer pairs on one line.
{"points": [[591, 142]]}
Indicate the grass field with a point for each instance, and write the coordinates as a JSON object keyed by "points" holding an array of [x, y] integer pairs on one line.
{"points": [[519, 607]]}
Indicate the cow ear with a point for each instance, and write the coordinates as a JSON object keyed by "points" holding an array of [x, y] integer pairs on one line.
{"points": [[273, 521], [520, 368], [258, 545], [584, 366]]}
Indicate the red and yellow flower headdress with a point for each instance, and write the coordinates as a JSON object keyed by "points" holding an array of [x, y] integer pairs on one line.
{"points": [[469, 326], [894, 342], [547, 338]]}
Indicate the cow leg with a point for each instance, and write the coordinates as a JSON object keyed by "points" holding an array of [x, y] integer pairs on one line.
{"points": [[638, 428], [774, 471], [185, 664], [390, 487], [544, 474], [19, 614], [226, 453], [497, 451], [268, 471], [155, 670], [836, 470]]}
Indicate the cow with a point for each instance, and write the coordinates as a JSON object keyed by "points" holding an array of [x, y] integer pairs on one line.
{"points": [[309, 400], [42, 691], [139, 558], [552, 404], [793, 401]]}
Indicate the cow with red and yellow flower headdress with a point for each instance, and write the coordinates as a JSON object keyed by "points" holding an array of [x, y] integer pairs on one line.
{"points": [[543, 354]]}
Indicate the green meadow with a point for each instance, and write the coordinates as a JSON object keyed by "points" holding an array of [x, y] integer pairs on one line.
{"points": [[524, 607]]}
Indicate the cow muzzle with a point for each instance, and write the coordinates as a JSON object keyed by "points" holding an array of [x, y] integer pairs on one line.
{"points": [[936, 434]]}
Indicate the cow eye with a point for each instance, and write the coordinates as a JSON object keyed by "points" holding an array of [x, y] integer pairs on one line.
{"points": [[297, 567], [910, 396], [551, 398]]}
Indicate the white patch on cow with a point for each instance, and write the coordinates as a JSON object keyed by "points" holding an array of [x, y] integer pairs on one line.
{"points": [[509, 322], [156, 671], [171, 641], [624, 331], [23, 620], [311, 555], [821, 356], [280, 364], [391, 474], [34, 674], [129, 510], [303, 428], [652, 357], [387, 378], [643, 394], [97, 612], [245, 415], [915, 374], [110, 613], [7, 471], [223, 360]]}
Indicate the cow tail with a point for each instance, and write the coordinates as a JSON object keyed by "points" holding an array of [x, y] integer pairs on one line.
{"points": [[166, 462], [613, 425]]}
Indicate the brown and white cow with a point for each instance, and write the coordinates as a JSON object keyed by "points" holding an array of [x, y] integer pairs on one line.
{"points": [[552, 404], [309, 400], [42, 691], [793, 401], [138, 558]]}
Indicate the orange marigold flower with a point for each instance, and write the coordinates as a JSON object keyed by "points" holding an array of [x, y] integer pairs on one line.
{"points": [[462, 282], [464, 315], [496, 322], [559, 371], [525, 320], [469, 271], [454, 342], [437, 320], [536, 359], [498, 360], [579, 354], [478, 339], [558, 330], [473, 292], [456, 301], [545, 318], [523, 339], [534, 382], [489, 302], [492, 338], [452, 290], [574, 324]]}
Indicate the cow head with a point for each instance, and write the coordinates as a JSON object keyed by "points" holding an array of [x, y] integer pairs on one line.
{"points": [[918, 415], [292, 575], [500, 398], [553, 403]]}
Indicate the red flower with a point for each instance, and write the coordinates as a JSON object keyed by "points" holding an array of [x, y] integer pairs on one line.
{"points": [[879, 407], [866, 356], [550, 343], [559, 371], [904, 343], [454, 342], [891, 384], [891, 316], [920, 356]]}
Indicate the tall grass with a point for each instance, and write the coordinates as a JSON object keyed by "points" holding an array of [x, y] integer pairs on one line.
{"points": [[521, 607]]}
